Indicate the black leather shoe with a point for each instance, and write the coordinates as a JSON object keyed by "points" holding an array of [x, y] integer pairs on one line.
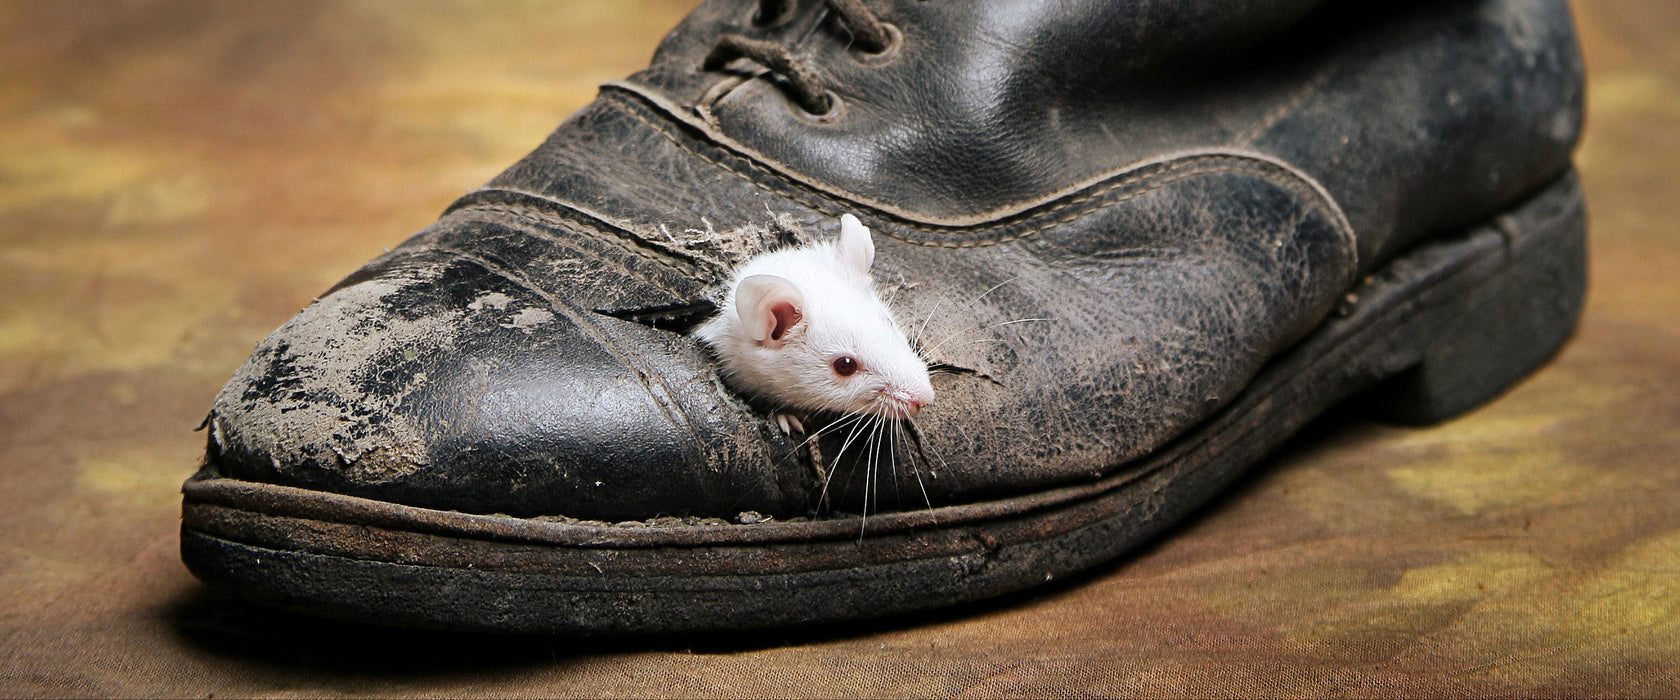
{"points": [[1227, 217]]}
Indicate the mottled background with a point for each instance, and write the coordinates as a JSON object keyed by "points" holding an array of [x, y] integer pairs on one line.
{"points": [[176, 179]]}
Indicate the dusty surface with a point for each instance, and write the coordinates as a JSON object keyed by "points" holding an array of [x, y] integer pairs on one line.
{"points": [[178, 179]]}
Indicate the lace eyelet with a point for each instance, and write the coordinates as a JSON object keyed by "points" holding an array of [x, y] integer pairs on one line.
{"points": [[784, 11], [895, 41], [836, 108]]}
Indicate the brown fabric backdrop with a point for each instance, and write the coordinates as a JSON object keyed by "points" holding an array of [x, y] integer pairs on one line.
{"points": [[176, 179]]}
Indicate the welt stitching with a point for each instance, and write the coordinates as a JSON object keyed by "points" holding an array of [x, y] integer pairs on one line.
{"points": [[977, 236]]}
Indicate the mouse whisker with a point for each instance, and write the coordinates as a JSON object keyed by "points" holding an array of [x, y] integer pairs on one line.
{"points": [[918, 472], [918, 337], [959, 333], [1011, 323], [857, 428], [994, 288], [871, 477], [883, 443], [912, 453], [891, 425], [912, 448], [966, 436], [916, 341], [868, 442], [831, 427]]}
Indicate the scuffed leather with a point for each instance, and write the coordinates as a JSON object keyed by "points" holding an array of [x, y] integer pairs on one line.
{"points": [[1102, 218], [1407, 112]]}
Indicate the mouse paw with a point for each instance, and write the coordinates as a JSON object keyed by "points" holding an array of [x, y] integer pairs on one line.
{"points": [[789, 423]]}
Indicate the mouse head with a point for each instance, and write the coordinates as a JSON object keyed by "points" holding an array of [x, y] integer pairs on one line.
{"points": [[824, 339]]}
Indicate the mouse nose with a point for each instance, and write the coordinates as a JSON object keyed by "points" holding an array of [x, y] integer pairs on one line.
{"points": [[912, 400]]}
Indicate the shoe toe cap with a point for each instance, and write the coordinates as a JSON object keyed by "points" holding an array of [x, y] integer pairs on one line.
{"points": [[438, 381]]}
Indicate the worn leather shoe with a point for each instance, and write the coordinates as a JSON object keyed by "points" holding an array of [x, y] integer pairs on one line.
{"points": [[1140, 243]]}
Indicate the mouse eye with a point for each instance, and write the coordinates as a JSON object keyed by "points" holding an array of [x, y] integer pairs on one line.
{"points": [[844, 365]]}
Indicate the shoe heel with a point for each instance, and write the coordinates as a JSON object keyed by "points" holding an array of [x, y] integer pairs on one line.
{"points": [[1483, 339]]}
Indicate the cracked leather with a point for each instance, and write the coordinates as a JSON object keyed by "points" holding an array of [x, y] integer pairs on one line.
{"points": [[1103, 217]]}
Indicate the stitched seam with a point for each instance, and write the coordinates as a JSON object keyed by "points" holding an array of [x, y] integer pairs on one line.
{"points": [[976, 236], [635, 107], [533, 216], [1271, 118], [1168, 179], [537, 216], [1069, 209], [635, 111], [619, 242], [538, 219]]}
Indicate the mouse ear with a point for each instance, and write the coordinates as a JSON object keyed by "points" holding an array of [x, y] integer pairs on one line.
{"points": [[770, 307], [856, 247]]}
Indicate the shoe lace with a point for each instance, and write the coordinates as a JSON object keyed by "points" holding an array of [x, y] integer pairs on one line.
{"points": [[869, 34]]}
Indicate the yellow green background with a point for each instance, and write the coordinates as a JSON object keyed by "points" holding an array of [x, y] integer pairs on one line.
{"points": [[178, 178]]}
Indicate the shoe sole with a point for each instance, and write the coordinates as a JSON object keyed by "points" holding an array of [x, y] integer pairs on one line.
{"points": [[1432, 334]]}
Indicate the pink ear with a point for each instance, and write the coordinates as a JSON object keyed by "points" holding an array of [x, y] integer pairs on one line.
{"points": [[770, 308], [856, 247]]}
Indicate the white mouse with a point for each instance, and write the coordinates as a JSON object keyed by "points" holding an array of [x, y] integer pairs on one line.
{"points": [[804, 329]]}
